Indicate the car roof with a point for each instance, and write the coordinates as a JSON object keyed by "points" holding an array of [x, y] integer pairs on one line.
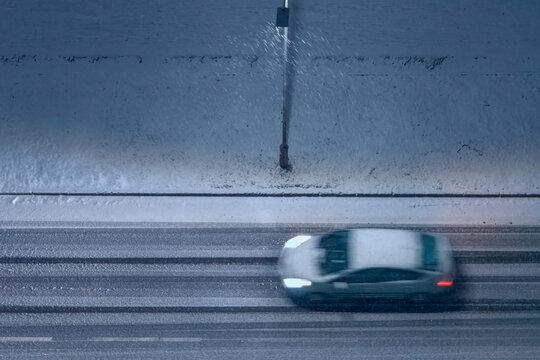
{"points": [[384, 248]]}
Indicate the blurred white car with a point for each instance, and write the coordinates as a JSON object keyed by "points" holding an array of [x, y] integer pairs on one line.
{"points": [[367, 263]]}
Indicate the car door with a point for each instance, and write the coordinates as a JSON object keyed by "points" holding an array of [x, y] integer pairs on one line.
{"points": [[395, 282], [358, 284]]}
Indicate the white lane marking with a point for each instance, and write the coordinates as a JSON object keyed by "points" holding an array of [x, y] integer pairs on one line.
{"points": [[181, 339], [24, 339], [130, 339], [146, 339], [357, 339], [290, 339]]}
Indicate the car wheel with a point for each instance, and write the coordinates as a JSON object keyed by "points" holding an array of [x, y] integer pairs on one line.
{"points": [[316, 298], [419, 298]]}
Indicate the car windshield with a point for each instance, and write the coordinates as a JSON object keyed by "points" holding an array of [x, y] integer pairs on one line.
{"points": [[335, 257]]}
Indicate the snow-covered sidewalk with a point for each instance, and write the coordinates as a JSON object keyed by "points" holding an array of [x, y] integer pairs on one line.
{"points": [[270, 210], [187, 97]]}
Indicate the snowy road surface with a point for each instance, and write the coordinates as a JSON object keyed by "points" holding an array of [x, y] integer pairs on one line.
{"points": [[197, 292]]}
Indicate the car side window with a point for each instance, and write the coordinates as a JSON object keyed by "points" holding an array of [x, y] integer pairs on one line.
{"points": [[387, 275], [362, 276], [376, 275]]}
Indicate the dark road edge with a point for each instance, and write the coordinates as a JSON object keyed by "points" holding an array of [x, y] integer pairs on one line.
{"points": [[306, 325], [19, 330], [462, 257], [220, 279], [283, 194], [478, 305], [7, 227]]}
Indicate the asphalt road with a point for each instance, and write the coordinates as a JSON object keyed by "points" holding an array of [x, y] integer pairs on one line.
{"points": [[214, 293]]}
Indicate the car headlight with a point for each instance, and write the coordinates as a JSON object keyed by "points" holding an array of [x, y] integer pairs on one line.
{"points": [[296, 241], [296, 283]]}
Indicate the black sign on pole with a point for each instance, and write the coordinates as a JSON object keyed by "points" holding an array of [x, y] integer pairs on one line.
{"points": [[282, 18]]}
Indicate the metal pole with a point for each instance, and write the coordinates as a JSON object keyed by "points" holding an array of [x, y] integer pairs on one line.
{"points": [[284, 148]]}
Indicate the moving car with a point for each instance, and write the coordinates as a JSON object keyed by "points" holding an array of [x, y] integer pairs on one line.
{"points": [[367, 263]]}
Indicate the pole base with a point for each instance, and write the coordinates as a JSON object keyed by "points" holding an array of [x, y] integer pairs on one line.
{"points": [[284, 157]]}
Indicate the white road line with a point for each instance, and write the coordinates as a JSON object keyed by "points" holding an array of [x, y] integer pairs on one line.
{"points": [[146, 339], [130, 339], [181, 339], [24, 339], [359, 339], [294, 339]]}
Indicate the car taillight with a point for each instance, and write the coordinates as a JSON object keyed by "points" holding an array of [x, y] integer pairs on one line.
{"points": [[445, 283]]}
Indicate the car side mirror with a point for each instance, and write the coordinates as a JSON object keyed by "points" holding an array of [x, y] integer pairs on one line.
{"points": [[340, 285]]}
